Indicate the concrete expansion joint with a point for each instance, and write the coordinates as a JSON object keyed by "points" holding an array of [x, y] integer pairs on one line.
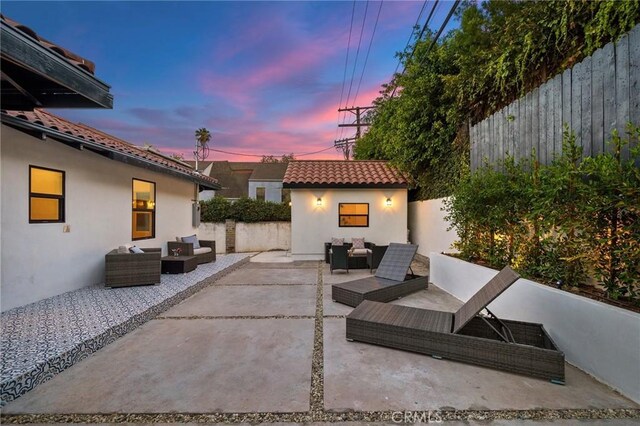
{"points": [[235, 317]]}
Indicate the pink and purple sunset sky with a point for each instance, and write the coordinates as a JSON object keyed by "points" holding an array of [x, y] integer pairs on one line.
{"points": [[264, 77]]}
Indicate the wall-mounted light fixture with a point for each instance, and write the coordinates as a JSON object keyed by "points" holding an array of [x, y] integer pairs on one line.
{"points": [[388, 202], [319, 201]]}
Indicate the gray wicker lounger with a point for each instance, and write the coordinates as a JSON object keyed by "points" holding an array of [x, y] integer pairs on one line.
{"points": [[389, 283], [513, 346]]}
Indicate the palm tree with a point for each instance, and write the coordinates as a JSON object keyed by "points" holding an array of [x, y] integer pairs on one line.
{"points": [[203, 136]]}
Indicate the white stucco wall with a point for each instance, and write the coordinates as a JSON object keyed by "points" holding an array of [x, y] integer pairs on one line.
{"points": [[428, 228], [39, 260], [312, 225], [263, 236], [601, 339], [215, 232]]}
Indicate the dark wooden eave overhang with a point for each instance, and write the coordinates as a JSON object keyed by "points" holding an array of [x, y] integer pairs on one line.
{"points": [[34, 75], [42, 132]]}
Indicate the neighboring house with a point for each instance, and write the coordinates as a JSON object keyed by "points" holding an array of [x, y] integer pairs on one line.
{"points": [[70, 193], [261, 181], [344, 199]]}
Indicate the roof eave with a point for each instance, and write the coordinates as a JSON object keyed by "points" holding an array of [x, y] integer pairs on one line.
{"points": [[85, 89], [113, 154]]}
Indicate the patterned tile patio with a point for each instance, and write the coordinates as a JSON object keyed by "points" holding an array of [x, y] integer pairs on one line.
{"points": [[41, 339]]}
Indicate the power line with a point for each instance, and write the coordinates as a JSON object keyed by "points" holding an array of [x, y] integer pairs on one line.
{"points": [[355, 61], [366, 58], [424, 28], [444, 24], [346, 61], [260, 156], [411, 35]]}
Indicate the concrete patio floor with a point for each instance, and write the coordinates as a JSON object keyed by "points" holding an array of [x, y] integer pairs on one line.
{"points": [[266, 343]]}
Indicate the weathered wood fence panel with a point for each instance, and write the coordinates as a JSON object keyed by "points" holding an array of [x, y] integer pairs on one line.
{"points": [[596, 96]]}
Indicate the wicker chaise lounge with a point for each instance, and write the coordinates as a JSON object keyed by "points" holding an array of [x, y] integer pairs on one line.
{"points": [[513, 346], [389, 283]]}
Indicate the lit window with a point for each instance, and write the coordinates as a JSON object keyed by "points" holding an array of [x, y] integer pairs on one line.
{"points": [[143, 218], [353, 215], [260, 193], [46, 195]]}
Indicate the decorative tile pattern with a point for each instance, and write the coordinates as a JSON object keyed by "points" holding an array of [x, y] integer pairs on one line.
{"points": [[41, 339]]}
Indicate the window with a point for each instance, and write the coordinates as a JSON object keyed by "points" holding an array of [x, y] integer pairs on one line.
{"points": [[353, 215], [143, 218], [260, 193], [46, 195]]}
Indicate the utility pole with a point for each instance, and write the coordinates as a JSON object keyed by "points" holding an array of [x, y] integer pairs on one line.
{"points": [[346, 144]]}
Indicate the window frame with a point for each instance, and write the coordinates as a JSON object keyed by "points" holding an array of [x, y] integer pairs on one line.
{"points": [[264, 193], [360, 215], [60, 198], [153, 211]]}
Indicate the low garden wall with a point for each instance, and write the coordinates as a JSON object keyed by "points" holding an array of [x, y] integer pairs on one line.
{"points": [[428, 228], [258, 236], [600, 339]]}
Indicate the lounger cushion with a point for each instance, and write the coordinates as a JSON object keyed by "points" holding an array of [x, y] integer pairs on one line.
{"points": [[201, 250]]}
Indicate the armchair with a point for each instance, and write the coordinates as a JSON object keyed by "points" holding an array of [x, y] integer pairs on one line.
{"points": [[339, 258], [130, 269], [205, 254]]}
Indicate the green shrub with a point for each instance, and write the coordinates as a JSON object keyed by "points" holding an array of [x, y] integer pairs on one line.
{"points": [[563, 222], [245, 209]]}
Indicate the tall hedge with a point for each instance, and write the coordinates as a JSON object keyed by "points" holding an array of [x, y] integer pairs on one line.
{"points": [[563, 223], [219, 209]]}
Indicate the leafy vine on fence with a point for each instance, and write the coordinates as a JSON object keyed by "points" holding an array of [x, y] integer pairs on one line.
{"points": [[501, 50]]}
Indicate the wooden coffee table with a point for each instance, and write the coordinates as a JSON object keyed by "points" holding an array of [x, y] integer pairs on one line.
{"points": [[178, 264]]}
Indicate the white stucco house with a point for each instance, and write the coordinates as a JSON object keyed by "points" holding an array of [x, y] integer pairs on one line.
{"points": [[344, 199], [70, 194]]}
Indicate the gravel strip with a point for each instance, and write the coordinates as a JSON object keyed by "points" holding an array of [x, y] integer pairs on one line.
{"points": [[332, 417], [317, 363], [232, 317]]}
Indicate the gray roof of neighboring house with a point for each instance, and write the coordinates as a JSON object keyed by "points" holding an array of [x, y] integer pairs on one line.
{"points": [[235, 176]]}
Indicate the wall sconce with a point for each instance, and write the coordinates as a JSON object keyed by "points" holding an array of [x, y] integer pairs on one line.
{"points": [[388, 202], [319, 201]]}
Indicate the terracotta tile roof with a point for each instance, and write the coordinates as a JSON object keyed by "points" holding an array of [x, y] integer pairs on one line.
{"points": [[76, 60], [342, 173], [93, 136]]}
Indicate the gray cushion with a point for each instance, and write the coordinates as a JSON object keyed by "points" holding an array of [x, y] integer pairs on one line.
{"points": [[193, 240], [337, 241], [135, 249]]}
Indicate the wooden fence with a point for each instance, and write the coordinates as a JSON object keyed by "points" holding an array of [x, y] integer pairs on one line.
{"points": [[597, 95]]}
